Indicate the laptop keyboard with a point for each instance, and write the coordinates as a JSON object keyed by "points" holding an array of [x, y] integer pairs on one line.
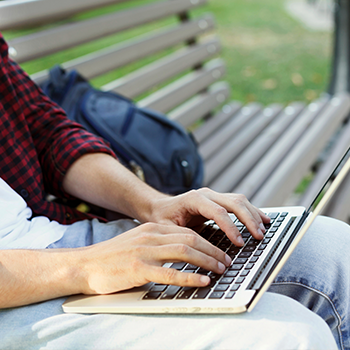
{"points": [[226, 285]]}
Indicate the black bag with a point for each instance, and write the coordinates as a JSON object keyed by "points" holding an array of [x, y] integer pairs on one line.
{"points": [[155, 148]]}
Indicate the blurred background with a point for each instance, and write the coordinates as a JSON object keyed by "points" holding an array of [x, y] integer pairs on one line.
{"points": [[275, 50]]}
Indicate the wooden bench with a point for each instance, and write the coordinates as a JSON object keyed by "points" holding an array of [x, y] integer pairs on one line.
{"points": [[261, 151]]}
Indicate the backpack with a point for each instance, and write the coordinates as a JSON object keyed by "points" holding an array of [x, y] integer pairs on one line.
{"points": [[156, 149]]}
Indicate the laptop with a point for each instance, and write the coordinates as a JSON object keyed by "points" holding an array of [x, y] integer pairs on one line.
{"points": [[254, 266]]}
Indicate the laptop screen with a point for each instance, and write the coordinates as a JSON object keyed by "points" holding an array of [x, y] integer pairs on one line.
{"points": [[329, 181]]}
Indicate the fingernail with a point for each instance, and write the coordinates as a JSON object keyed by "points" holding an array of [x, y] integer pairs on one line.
{"points": [[205, 280], [228, 260], [240, 240], [221, 266], [260, 233], [263, 229]]}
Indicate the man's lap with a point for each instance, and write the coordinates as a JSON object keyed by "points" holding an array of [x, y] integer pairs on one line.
{"points": [[276, 322]]}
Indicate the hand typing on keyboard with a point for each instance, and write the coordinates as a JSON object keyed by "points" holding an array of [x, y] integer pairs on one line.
{"points": [[135, 258], [195, 207]]}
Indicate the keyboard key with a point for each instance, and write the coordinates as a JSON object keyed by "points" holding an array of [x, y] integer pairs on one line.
{"points": [[266, 241], [284, 214], [258, 253], [245, 254], [280, 219], [249, 248], [277, 224], [231, 273], [232, 252], [270, 235], [241, 260], [262, 246], [253, 242], [226, 280], [191, 267], [158, 288], [151, 295], [273, 229], [170, 292], [216, 295], [236, 267], [203, 271], [235, 287], [272, 215], [249, 266], [254, 259], [186, 293], [240, 280], [230, 295], [201, 293], [178, 266], [221, 287], [245, 273]]}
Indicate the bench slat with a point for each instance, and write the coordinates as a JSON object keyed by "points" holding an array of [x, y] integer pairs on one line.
{"points": [[57, 39], [341, 146], [213, 124], [21, 13], [115, 56], [181, 90], [143, 79], [234, 146], [232, 149], [216, 142], [293, 167], [254, 152], [201, 105], [269, 162]]}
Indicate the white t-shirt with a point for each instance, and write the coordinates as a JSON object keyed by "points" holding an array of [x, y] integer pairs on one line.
{"points": [[17, 230]]}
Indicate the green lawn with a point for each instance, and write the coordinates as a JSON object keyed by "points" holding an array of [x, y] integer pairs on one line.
{"points": [[270, 57]]}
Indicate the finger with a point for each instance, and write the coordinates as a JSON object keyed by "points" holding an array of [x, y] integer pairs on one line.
{"points": [[248, 214], [171, 276], [210, 209], [182, 252], [195, 241]]}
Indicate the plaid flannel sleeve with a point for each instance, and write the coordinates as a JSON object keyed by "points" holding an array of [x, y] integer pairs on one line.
{"points": [[59, 142]]}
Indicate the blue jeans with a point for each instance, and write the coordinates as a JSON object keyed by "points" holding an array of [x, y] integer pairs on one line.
{"points": [[277, 322]]}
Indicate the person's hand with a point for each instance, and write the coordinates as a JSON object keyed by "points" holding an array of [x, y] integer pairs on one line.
{"points": [[135, 258], [195, 207]]}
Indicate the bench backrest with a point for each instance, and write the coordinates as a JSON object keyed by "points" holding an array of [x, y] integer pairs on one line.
{"points": [[178, 81]]}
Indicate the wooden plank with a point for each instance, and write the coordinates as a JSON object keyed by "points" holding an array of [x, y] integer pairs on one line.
{"points": [[118, 55], [342, 142], [211, 125], [259, 174], [231, 176], [227, 131], [234, 146], [57, 39], [201, 105], [184, 88], [157, 72], [295, 165], [24, 13]]}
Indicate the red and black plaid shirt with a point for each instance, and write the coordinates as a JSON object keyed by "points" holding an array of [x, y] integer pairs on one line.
{"points": [[37, 142]]}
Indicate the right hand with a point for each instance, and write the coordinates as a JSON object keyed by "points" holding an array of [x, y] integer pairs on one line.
{"points": [[135, 258]]}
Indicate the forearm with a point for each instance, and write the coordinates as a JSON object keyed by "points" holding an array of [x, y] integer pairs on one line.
{"points": [[29, 276], [100, 179]]}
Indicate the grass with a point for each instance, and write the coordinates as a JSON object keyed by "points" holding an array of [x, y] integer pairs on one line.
{"points": [[270, 57]]}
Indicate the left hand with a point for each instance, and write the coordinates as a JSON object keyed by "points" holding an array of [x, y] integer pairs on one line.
{"points": [[197, 206]]}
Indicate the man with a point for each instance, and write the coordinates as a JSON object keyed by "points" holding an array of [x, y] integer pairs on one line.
{"points": [[43, 261]]}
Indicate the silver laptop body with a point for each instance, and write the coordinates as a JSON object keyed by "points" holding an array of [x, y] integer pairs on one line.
{"points": [[253, 269]]}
